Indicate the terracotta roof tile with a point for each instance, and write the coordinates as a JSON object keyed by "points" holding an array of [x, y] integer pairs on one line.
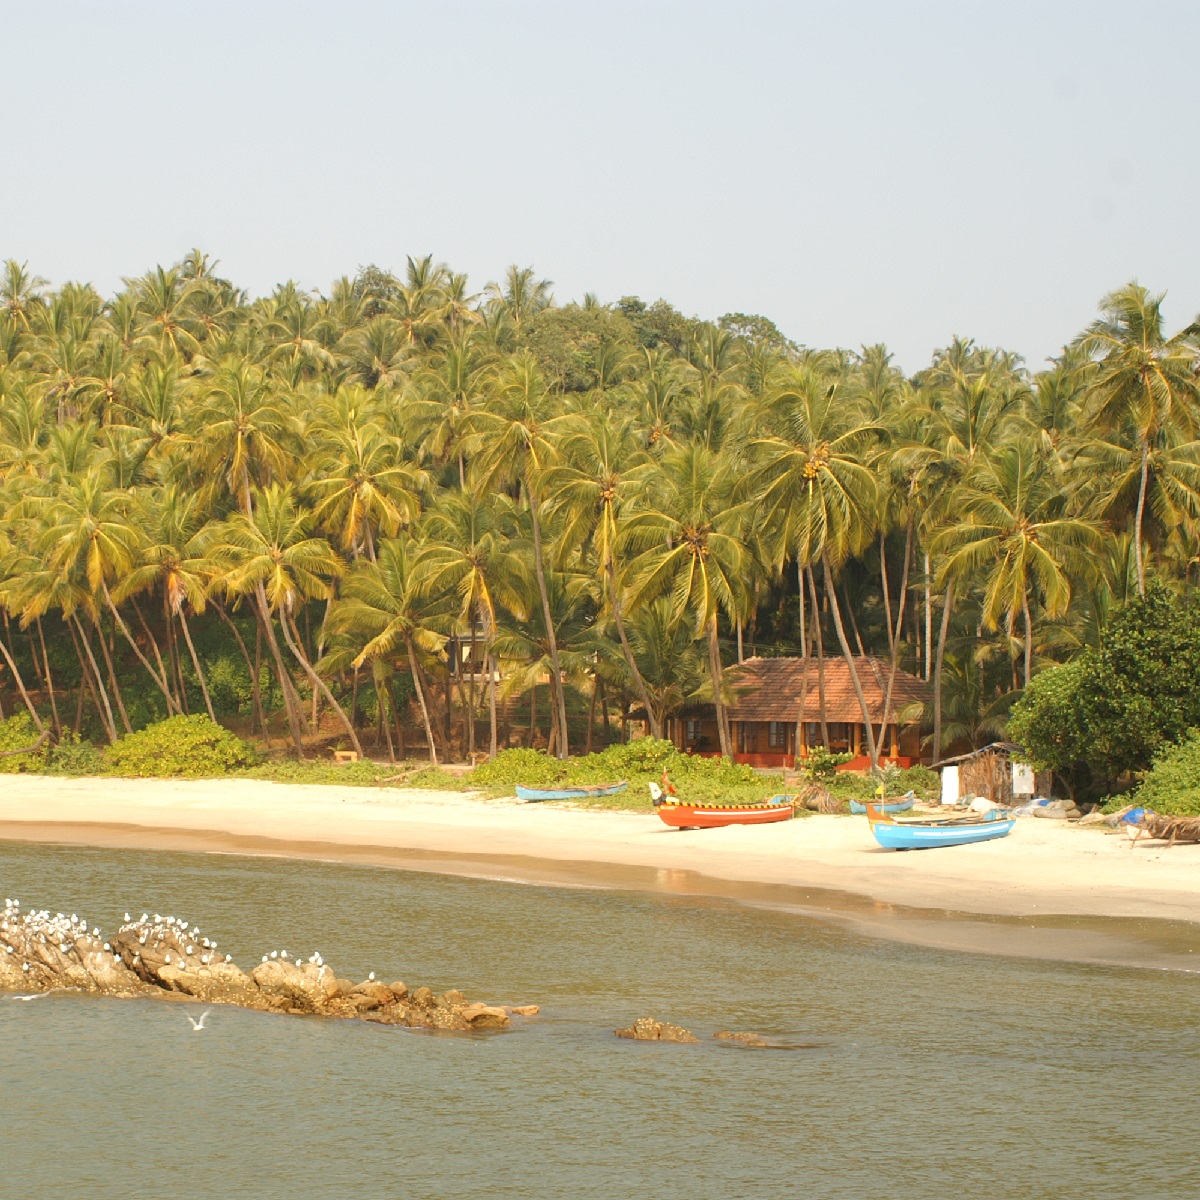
{"points": [[770, 689]]}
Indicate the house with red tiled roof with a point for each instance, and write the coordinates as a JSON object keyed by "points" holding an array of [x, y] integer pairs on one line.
{"points": [[777, 708]]}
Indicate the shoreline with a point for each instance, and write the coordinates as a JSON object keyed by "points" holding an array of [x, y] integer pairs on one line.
{"points": [[1108, 904]]}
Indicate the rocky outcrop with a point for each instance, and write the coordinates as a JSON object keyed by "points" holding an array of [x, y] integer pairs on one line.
{"points": [[647, 1029], [163, 955]]}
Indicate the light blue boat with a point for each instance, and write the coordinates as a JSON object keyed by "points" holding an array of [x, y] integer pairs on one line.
{"points": [[952, 831], [565, 792], [858, 807]]}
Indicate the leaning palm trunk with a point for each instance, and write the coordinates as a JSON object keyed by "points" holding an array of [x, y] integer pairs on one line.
{"points": [[556, 690], [894, 639], [1138, 549], [639, 684], [94, 681], [836, 609], [420, 690], [49, 681], [937, 672], [112, 676], [819, 639], [714, 667], [187, 637], [1028, 636], [162, 670], [12, 666], [292, 637], [264, 613], [251, 669], [159, 683]]}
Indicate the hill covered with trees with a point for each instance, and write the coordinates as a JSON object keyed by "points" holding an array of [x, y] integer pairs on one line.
{"points": [[295, 512]]}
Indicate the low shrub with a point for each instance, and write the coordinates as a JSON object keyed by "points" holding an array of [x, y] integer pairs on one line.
{"points": [[15, 734], [1172, 785], [189, 746], [705, 780], [925, 783], [74, 756], [821, 765]]}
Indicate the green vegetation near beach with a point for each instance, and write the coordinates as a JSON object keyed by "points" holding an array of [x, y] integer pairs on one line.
{"points": [[413, 520]]}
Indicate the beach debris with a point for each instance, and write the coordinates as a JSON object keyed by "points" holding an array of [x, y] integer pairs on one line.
{"points": [[164, 956], [1164, 829], [647, 1029], [819, 799]]}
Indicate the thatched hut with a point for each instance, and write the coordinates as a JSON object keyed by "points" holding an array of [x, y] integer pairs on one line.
{"points": [[993, 772]]}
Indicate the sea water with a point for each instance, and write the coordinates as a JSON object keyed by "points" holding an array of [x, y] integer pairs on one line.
{"points": [[923, 1074]]}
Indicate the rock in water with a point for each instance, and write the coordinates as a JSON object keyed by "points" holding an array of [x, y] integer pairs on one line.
{"points": [[162, 955], [745, 1039], [647, 1029]]}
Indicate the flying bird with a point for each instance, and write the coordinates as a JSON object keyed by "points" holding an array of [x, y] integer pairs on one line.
{"points": [[199, 1025]]}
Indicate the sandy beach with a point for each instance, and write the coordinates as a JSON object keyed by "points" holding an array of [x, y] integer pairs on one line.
{"points": [[1042, 868]]}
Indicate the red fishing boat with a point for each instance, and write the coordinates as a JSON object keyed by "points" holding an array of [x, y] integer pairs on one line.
{"points": [[680, 815]]}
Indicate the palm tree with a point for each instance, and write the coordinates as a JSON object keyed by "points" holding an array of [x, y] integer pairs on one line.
{"points": [[601, 475], [688, 544], [384, 605], [271, 555], [1014, 528], [512, 440], [814, 490], [1144, 388]]}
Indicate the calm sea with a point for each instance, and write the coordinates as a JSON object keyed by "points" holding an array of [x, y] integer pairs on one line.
{"points": [[934, 1074]]}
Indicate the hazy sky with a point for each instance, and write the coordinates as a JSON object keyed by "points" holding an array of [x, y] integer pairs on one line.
{"points": [[859, 172]]}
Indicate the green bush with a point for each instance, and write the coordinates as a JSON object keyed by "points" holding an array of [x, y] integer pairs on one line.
{"points": [[74, 756], [821, 765], [704, 780], [16, 733], [926, 784], [191, 746], [1172, 785]]}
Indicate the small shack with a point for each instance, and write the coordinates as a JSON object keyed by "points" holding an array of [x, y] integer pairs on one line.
{"points": [[993, 772]]}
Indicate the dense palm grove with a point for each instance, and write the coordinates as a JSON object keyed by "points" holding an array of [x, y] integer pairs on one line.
{"points": [[297, 513]]}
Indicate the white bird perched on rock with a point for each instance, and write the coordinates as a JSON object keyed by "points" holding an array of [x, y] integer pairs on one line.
{"points": [[372, 975], [274, 953], [265, 957], [199, 1025]]}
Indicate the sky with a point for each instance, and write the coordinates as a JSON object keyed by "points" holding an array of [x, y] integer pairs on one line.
{"points": [[859, 172]]}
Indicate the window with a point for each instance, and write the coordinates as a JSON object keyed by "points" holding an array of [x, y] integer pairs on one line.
{"points": [[777, 735], [693, 731]]}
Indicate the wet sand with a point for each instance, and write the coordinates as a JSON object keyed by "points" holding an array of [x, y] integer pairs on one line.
{"points": [[1046, 891]]}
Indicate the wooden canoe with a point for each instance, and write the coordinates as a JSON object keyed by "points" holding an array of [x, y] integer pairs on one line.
{"points": [[567, 792], [714, 816], [857, 807], [927, 835]]}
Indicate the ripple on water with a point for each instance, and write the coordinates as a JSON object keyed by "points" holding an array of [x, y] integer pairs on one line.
{"points": [[937, 1074]]}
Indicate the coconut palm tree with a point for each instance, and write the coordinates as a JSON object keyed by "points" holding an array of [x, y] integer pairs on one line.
{"points": [[1145, 388]]}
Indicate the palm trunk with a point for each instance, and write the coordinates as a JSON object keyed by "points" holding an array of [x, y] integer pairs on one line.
{"points": [[800, 713], [49, 681], [251, 669], [1138, 548], [112, 678], [820, 641], [714, 667], [187, 637], [560, 706], [836, 609], [90, 675], [494, 743], [1028, 636], [291, 635], [887, 594], [639, 684], [264, 613], [741, 655], [159, 683], [471, 680], [803, 620], [894, 639], [416, 674], [162, 670], [12, 666], [937, 672], [928, 614]]}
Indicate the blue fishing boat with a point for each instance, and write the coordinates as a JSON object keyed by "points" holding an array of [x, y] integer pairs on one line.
{"points": [[889, 806], [950, 831], [567, 792]]}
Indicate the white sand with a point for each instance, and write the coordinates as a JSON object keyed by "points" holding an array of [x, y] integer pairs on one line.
{"points": [[1043, 867]]}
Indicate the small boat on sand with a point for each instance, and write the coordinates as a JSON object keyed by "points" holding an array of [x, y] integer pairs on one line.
{"points": [[680, 815], [858, 807], [569, 792], [948, 831]]}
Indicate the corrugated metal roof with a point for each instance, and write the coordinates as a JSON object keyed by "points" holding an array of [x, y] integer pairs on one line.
{"points": [[770, 689]]}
